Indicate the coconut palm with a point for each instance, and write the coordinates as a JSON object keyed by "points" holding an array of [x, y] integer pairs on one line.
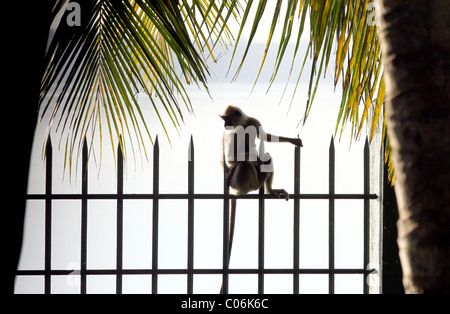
{"points": [[121, 47]]}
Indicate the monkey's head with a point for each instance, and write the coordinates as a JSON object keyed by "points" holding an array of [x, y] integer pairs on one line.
{"points": [[233, 116]]}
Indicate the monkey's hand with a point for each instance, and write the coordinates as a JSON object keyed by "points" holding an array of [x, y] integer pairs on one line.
{"points": [[280, 194]]}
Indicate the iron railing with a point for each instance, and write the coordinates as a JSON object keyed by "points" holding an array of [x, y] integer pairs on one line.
{"points": [[191, 196]]}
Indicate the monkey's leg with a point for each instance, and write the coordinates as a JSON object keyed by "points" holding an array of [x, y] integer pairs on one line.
{"points": [[280, 193], [230, 172], [265, 175]]}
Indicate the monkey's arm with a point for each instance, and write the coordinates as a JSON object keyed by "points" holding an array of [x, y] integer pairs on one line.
{"points": [[270, 138], [279, 139]]}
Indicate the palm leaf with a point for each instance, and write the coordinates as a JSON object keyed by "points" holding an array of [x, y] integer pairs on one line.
{"points": [[123, 47], [342, 25]]}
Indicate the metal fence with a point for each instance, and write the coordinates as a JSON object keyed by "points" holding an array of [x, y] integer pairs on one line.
{"points": [[191, 196]]}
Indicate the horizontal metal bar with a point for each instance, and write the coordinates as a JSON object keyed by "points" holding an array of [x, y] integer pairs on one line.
{"points": [[194, 271], [195, 196]]}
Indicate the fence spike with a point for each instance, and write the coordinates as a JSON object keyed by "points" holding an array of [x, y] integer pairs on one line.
{"points": [[48, 146], [191, 218], [191, 149], [155, 231], [84, 219], [84, 157], [331, 218]]}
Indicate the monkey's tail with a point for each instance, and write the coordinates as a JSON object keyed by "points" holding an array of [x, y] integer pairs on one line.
{"points": [[231, 232], [232, 224]]}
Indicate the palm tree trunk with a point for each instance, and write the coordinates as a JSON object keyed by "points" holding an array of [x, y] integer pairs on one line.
{"points": [[416, 48], [23, 53]]}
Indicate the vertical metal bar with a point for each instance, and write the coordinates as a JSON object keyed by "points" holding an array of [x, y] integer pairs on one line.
{"points": [[119, 220], [48, 217], [84, 214], [226, 232], [297, 222], [380, 240], [331, 216], [155, 234], [366, 211], [191, 214], [261, 243]]}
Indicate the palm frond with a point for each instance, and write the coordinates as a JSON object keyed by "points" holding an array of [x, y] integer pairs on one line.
{"points": [[338, 28], [94, 72]]}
